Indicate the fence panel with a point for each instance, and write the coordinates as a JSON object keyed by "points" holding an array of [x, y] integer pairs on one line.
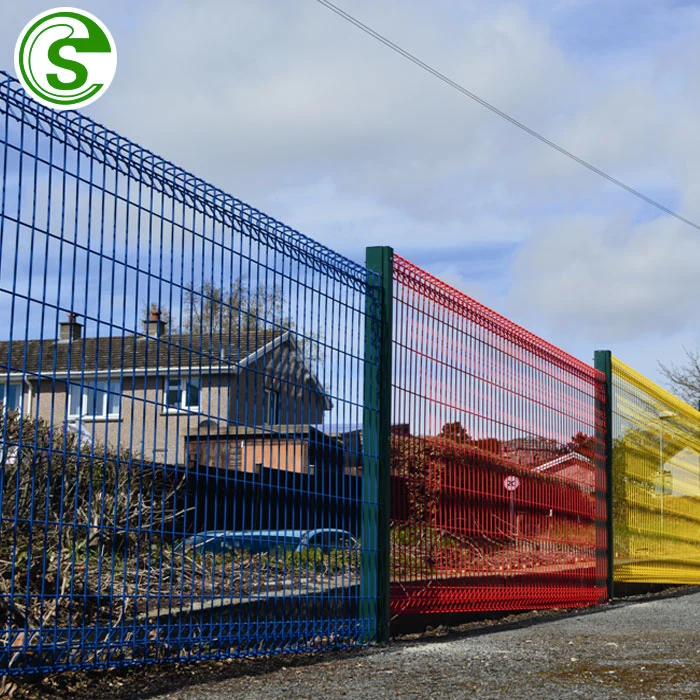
{"points": [[655, 482], [497, 469], [181, 380]]}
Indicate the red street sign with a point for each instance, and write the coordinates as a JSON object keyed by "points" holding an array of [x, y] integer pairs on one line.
{"points": [[511, 483]]}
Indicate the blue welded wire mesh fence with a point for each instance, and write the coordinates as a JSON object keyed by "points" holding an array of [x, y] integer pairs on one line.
{"points": [[182, 383]]}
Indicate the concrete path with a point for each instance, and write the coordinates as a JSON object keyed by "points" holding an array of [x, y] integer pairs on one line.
{"points": [[647, 649]]}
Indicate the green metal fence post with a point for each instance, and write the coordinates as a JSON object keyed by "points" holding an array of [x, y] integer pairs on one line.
{"points": [[376, 437], [602, 360]]}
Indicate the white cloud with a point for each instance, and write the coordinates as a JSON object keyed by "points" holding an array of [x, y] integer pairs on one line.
{"points": [[598, 276], [286, 106], [452, 276], [263, 99]]}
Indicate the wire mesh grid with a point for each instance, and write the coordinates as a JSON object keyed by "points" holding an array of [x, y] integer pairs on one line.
{"points": [[497, 469], [181, 379], [655, 482]]}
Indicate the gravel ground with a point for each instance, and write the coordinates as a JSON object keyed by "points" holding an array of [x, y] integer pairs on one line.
{"points": [[629, 650], [645, 647]]}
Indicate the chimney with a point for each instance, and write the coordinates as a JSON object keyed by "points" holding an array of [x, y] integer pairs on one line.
{"points": [[71, 329], [154, 326]]}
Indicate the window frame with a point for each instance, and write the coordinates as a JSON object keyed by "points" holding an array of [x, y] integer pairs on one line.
{"points": [[184, 383], [20, 396], [107, 387], [266, 407]]}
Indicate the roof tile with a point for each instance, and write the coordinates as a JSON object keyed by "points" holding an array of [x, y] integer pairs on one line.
{"points": [[131, 352]]}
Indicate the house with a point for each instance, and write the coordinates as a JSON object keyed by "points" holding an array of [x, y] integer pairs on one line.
{"points": [[297, 449], [530, 451], [573, 468], [146, 392], [277, 476]]}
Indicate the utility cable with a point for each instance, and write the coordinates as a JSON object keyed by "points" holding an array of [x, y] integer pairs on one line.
{"points": [[467, 93]]}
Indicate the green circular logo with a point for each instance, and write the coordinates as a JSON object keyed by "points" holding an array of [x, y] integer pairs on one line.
{"points": [[65, 58]]}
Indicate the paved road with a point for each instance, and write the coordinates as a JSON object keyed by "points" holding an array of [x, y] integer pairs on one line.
{"points": [[647, 649]]}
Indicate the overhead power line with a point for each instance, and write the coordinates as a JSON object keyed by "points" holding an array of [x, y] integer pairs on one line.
{"points": [[467, 93]]}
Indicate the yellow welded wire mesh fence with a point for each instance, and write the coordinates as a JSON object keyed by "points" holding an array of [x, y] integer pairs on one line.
{"points": [[656, 482]]}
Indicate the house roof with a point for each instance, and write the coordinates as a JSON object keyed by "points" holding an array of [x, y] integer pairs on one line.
{"points": [[531, 451], [575, 468], [131, 352], [564, 461], [235, 430]]}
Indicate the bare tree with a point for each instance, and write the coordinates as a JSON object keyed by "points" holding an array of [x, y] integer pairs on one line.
{"points": [[684, 378], [213, 310]]}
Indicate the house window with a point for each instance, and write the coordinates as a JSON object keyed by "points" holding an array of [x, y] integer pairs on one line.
{"points": [[11, 396], [181, 395], [98, 401], [271, 403]]}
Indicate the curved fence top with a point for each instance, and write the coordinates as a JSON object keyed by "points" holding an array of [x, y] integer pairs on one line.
{"points": [[435, 289], [107, 147], [654, 391]]}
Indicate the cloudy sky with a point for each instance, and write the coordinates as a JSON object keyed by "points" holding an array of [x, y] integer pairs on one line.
{"points": [[288, 107]]}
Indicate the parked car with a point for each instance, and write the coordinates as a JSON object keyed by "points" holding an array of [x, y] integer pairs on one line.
{"points": [[256, 541]]}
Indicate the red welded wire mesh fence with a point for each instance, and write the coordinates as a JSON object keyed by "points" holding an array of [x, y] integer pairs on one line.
{"points": [[497, 469]]}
